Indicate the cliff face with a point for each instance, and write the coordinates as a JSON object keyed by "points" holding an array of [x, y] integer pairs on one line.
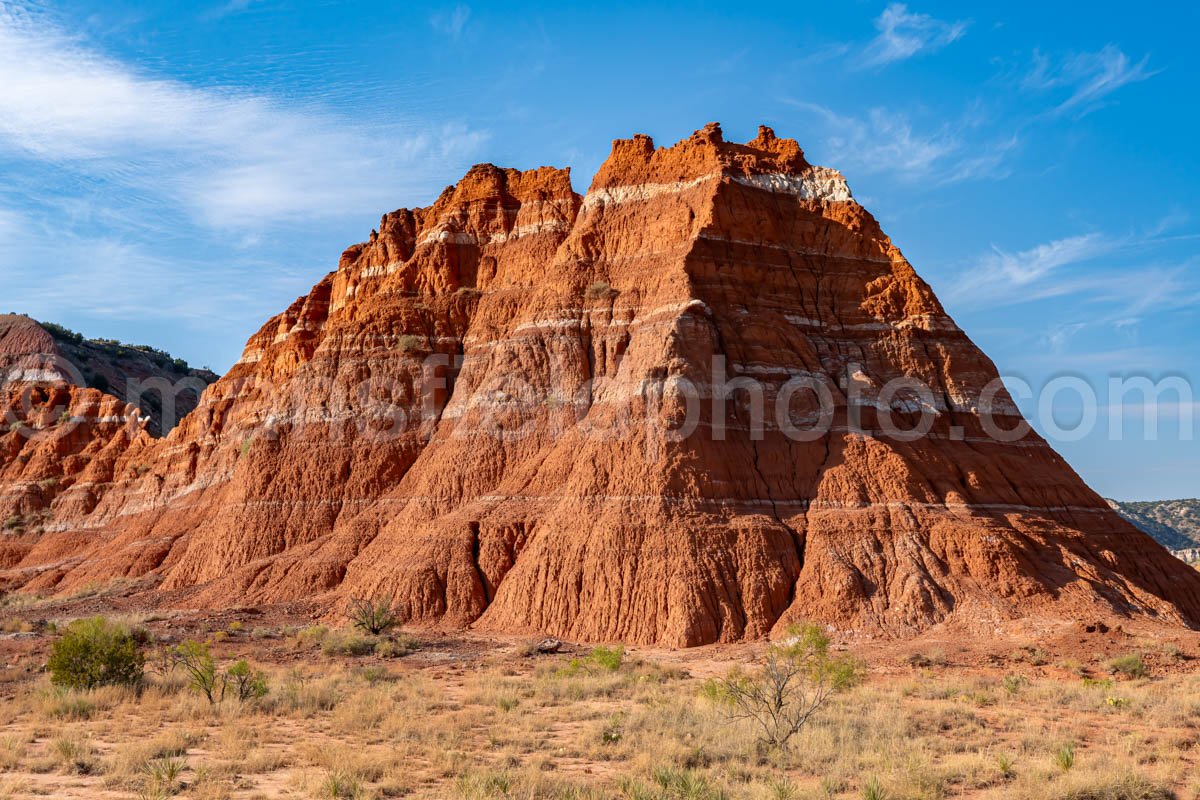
{"points": [[164, 389], [528, 410], [70, 408]]}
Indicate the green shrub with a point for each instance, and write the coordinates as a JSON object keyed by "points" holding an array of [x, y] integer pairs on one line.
{"points": [[1065, 757], [1131, 665], [247, 683], [874, 790], [608, 658], [395, 646], [95, 652], [339, 784], [1014, 683], [373, 616], [197, 662]]}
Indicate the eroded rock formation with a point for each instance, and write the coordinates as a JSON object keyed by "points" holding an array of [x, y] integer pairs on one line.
{"points": [[528, 410]]}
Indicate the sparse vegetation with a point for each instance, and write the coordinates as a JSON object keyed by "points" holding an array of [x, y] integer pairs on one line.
{"points": [[373, 615], [410, 344], [605, 722], [1130, 665], [796, 679], [1064, 756], [239, 680], [95, 652], [598, 290]]}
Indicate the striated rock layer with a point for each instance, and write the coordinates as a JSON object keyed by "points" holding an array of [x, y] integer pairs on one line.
{"points": [[506, 410]]}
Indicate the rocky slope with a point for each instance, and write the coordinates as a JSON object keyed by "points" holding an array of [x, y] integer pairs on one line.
{"points": [[1175, 524], [171, 387], [62, 419], [505, 410]]}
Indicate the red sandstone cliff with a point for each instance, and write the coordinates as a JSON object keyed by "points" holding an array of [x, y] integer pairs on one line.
{"points": [[476, 415]]}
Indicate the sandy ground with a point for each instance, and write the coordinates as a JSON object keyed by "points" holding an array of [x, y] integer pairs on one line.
{"points": [[466, 715]]}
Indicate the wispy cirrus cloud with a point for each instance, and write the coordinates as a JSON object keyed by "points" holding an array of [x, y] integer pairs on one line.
{"points": [[228, 157], [1119, 279], [884, 141], [1023, 268], [1085, 78], [904, 34], [45, 267], [452, 21]]}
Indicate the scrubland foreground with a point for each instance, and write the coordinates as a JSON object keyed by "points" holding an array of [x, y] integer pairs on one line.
{"points": [[1077, 712]]}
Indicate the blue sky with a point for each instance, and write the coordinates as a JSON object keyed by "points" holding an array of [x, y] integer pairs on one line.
{"points": [[175, 173]]}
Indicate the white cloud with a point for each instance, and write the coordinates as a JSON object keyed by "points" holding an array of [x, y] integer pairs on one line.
{"points": [[230, 158], [1023, 268], [451, 22], [1088, 77], [885, 141], [1058, 336], [903, 34], [55, 273], [1122, 292]]}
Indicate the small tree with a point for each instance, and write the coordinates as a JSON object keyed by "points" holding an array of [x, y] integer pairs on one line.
{"points": [[247, 683], [201, 669], [375, 616], [797, 677], [95, 652], [198, 663]]}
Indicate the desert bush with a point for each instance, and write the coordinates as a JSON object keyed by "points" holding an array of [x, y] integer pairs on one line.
{"points": [[247, 683], [339, 784], [63, 704], [339, 643], [395, 646], [1064, 757], [608, 658], [311, 636], [1130, 665], [74, 754], [95, 652], [300, 695], [874, 790], [598, 290], [163, 774], [1013, 684], [599, 660], [197, 662], [795, 681], [374, 616], [410, 343], [1104, 787]]}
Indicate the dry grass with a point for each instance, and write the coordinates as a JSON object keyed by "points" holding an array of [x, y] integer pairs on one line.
{"points": [[599, 724]]}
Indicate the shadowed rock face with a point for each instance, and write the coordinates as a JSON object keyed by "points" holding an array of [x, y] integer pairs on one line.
{"points": [[500, 411]]}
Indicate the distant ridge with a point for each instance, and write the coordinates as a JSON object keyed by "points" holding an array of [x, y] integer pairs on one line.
{"points": [[1175, 524]]}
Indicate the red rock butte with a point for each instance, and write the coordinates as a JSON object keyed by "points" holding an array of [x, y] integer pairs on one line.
{"points": [[459, 418]]}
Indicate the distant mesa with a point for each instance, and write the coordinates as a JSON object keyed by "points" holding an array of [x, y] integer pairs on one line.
{"points": [[480, 413]]}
